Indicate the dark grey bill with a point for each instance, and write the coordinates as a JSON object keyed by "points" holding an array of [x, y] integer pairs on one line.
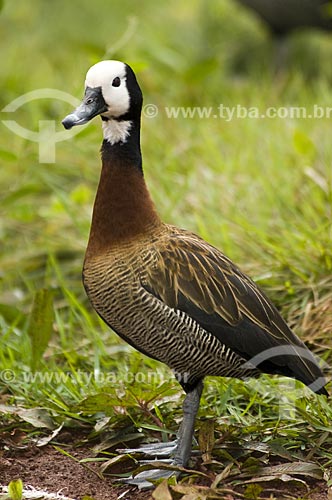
{"points": [[93, 104]]}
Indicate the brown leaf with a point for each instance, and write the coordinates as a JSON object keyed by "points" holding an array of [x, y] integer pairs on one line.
{"points": [[114, 461], [223, 475], [45, 440], [206, 439], [192, 492], [298, 468], [162, 492], [285, 478]]}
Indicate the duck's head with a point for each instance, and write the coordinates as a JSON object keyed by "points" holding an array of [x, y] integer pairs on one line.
{"points": [[112, 91]]}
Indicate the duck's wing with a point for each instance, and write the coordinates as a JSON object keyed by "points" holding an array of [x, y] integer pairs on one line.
{"points": [[190, 275]]}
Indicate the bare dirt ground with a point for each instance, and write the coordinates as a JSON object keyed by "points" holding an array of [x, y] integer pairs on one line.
{"points": [[49, 470]]}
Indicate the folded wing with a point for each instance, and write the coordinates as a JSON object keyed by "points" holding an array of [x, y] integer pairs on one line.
{"points": [[193, 276]]}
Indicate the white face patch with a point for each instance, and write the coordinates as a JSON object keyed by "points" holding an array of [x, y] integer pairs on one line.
{"points": [[116, 131], [102, 75]]}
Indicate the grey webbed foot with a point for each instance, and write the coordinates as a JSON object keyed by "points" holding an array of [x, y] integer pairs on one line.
{"points": [[178, 450], [154, 449], [144, 480]]}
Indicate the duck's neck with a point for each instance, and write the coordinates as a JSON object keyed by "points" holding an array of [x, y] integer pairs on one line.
{"points": [[123, 208]]}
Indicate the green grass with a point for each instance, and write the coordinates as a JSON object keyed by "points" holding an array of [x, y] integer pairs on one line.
{"points": [[259, 189]]}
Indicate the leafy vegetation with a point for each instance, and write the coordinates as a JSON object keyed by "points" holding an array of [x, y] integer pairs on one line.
{"points": [[258, 188]]}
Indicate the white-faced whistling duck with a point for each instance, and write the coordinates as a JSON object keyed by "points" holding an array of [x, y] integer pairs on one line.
{"points": [[164, 290]]}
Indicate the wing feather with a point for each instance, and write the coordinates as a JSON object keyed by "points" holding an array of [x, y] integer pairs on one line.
{"points": [[189, 274], [208, 279]]}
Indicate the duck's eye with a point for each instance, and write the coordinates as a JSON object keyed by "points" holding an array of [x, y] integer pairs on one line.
{"points": [[116, 82]]}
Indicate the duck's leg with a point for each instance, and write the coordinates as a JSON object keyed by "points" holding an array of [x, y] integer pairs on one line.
{"points": [[178, 450], [186, 430]]}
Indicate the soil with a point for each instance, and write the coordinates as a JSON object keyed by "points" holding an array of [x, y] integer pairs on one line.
{"points": [[49, 470]]}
